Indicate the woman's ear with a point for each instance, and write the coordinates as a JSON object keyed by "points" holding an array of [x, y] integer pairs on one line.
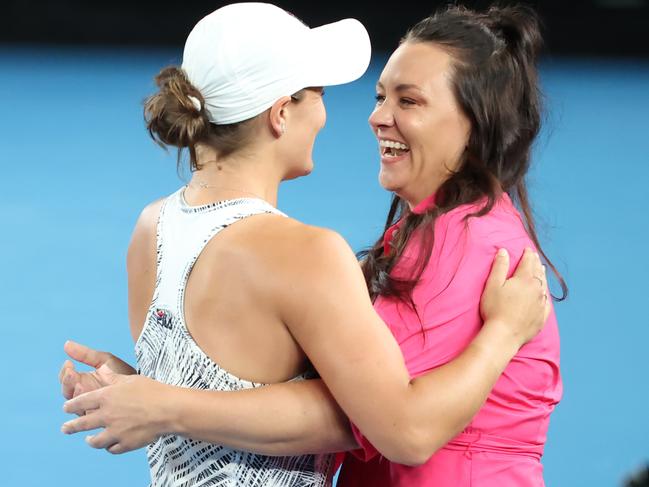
{"points": [[278, 115]]}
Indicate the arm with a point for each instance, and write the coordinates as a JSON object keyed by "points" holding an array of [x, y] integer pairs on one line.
{"points": [[405, 420], [302, 417], [295, 422], [141, 264]]}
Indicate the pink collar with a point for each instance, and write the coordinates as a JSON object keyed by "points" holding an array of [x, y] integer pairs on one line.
{"points": [[425, 204], [422, 206]]}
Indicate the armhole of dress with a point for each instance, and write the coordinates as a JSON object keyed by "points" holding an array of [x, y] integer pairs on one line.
{"points": [[158, 247], [264, 209], [154, 297]]}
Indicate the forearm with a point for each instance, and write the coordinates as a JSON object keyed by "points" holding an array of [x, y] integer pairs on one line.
{"points": [[295, 418], [448, 397], [363, 366]]}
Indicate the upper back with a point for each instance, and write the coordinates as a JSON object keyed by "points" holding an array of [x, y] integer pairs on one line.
{"points": [[211, 266], [211, 323]]}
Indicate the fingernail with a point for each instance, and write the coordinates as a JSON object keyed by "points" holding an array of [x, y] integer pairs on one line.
{"points": [[543, 267], [502, 252], [89, 438]]}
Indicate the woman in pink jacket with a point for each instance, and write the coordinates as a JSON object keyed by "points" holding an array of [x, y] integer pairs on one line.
{"points": [[457, 113], [469, 78]]}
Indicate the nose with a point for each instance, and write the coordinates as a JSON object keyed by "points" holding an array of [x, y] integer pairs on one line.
{"points": [[381, 117]]}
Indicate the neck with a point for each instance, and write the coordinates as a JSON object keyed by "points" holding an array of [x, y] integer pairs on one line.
{"points": [[231, 178], [414, 199], [415, 196]]}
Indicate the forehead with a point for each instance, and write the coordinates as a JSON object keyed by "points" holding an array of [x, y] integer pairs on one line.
{"points": [[423, 64]]}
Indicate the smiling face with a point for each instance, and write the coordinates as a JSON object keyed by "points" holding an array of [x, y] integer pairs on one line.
{"points": [[421, 130]]}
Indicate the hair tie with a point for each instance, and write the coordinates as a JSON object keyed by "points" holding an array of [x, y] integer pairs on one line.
{"points": [[196, 102]]}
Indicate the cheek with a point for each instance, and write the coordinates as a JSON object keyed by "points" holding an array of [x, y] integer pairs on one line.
{"points": [[441, 147], [320, 117], [456, 133]]}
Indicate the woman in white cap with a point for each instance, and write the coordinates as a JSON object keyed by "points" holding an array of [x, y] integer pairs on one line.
{"points": [[227, 293]]}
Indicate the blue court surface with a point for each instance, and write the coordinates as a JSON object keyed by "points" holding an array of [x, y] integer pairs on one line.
{"points": [[78, 167]]}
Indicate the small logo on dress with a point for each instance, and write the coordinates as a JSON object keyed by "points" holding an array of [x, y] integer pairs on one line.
{"points": [[163, 318]]}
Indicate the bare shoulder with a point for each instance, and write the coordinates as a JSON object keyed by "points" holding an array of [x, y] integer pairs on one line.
{"points": [[290, 243], [144, 234], [283, 250], [306, 272], [141, 265], [148, 220]]}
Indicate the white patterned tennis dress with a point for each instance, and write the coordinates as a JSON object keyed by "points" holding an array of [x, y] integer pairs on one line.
{"points": [[167, 353]]}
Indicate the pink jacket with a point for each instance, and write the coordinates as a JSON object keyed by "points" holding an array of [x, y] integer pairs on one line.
{"points": [[503, 444]]}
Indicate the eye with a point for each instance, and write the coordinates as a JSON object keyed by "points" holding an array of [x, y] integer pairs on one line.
{"points": [[379, 99], [407, 101]]}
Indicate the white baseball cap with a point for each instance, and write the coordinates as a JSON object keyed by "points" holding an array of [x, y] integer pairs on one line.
{"points": [[245, 56]]}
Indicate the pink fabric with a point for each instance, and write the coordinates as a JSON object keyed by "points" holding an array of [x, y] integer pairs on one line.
{"points": [[503, 444]]}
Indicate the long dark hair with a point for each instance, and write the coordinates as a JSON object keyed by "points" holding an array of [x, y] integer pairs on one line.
{"points": [[494, 80]]}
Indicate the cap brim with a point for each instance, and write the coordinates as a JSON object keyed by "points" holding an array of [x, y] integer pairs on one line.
{"points": [[340, 53]]}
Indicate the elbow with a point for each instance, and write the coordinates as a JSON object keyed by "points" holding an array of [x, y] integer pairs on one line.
{"points": [[410, 459], [414, 448]]}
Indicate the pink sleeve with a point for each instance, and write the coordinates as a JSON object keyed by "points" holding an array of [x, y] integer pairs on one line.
{"points": [[366, 450]]}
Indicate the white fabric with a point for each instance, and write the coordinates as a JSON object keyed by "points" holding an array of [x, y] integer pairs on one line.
{"points": [[167, 352], [245, 56]]}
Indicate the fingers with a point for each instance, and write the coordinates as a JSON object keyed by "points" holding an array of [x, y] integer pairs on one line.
{"points": [[66, 365], [107, 375], [80, 404], [70, 379], [539, 276], [529, 265], [544, 280], [546, 295], [101, 440], [85, 355], [117, 448], [499, 269], [83, 423], [78, 390]]}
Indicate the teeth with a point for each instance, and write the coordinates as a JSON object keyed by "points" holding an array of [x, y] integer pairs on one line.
{"points": [[392, 144]]}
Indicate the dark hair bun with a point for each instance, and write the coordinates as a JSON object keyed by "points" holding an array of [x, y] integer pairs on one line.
{"points": [[519, 27], [171, 116]]}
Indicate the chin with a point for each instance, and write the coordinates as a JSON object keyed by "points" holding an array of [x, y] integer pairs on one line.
{"points": [[299, 172], [388, 182]]}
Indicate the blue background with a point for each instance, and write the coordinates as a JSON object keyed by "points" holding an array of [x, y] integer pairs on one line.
{"points": [[78, 166]]}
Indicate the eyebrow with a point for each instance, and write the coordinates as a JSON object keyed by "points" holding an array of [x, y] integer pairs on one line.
{"points": [[401, 87]]}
